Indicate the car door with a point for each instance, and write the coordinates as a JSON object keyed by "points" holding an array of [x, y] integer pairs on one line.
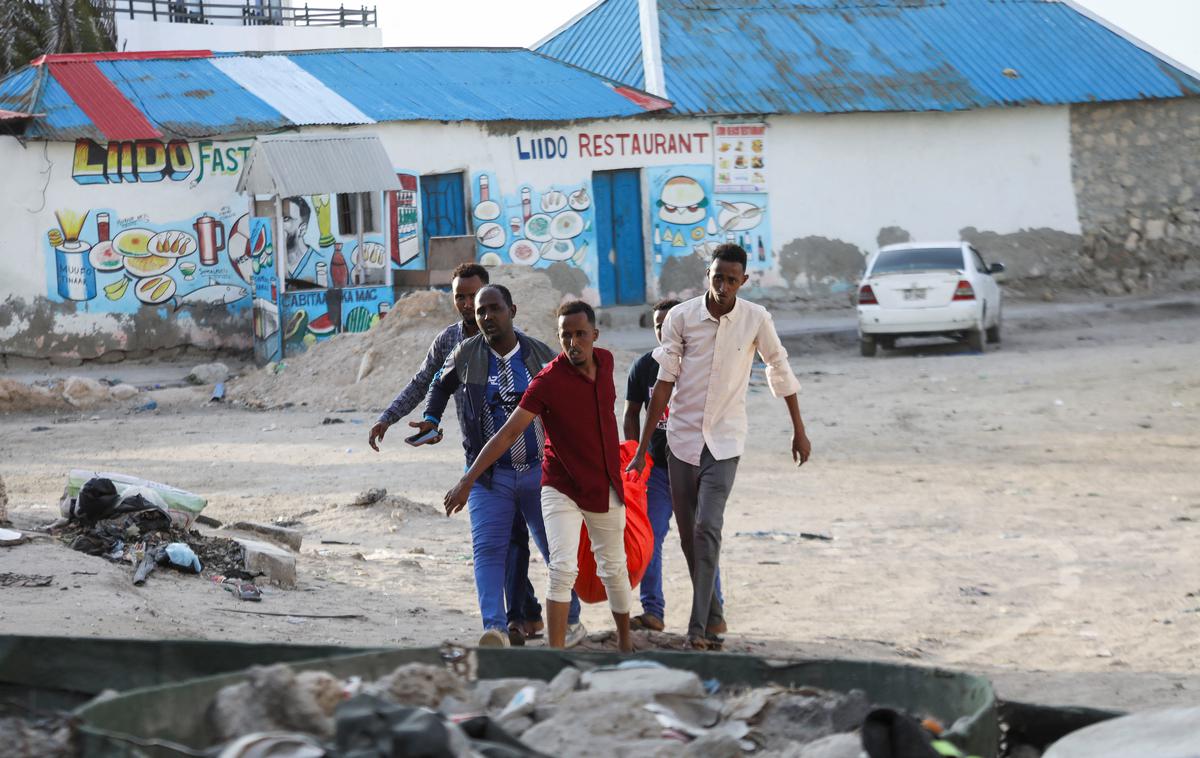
{"points": [[987, 286]]}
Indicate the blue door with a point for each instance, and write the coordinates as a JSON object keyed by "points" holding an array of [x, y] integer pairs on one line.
{"points": [[443, 207], [618, 196]]}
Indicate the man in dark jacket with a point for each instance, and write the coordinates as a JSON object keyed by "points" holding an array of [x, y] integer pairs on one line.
{"points": [[492, 370]]}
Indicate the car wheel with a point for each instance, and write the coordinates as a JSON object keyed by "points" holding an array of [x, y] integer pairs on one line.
{"points": [[866, 346], [975, 339], [887, 343], [993, 333]]}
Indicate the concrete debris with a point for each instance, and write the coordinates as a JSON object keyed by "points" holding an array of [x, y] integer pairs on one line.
{"points": [[564, 683], [17, 397], [499, 693], [590, 723], [290, 538], [713, 746], [273, 698], [848, 745], [657, 680], [419, 684], [84, 393], [122, 392], [275, 563], [812, 714], [10, 537], [208, 373]]}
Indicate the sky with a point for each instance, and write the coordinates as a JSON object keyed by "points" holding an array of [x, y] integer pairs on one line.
{"points": [[1168, 25]]}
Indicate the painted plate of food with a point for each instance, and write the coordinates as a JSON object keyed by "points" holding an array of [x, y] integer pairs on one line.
{"points": [[580, 200], [490, 235], [155, 289], [553, 201], [558, 250], [133, 242], [104, 258], [566, 225], [537, 227], [172, 244], [150, 265], [524, 253]]}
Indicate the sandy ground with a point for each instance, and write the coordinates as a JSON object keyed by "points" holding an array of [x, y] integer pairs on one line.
{"points": [[1031, 513]]}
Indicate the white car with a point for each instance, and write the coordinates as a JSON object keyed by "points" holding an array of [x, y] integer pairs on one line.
{"points": [[924, 289]]}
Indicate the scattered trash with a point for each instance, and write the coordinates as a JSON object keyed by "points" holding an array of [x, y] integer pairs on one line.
{"points": [[242, 590], [208, 521], [176, 554], [218, 393], [296, 615], [11, 537], [331, 420], [782, 536], [40, 429], [149, 405], [25, 580]]}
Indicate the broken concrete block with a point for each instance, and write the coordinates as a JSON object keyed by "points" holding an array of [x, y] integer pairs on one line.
{"points": [[123, 392], [288, 537], [713, 746], [208, 373], [564, 683], [658, 681], [497, 693], [82, 392], [847, 745], [277, 564], [805, 718]]}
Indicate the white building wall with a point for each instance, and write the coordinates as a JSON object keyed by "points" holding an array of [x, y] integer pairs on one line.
{"points": [[836, 185], [141, 34]]}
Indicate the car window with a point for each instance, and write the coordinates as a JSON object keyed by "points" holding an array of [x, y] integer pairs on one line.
{"points": [[920, 259], [980, 266]]}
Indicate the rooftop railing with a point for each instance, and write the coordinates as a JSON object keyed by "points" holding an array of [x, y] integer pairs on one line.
{"points": [[245, 13]]}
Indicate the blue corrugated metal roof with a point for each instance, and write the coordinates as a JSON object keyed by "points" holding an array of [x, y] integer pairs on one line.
{"points": [[606, 39], [197, 94], [828, 56]]}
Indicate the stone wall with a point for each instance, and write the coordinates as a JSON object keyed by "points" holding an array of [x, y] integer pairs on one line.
{"points": [[1136, 169]]}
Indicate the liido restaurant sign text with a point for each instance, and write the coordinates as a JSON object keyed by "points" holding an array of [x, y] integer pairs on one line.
{"points": [[611, 144], [739, 158]]}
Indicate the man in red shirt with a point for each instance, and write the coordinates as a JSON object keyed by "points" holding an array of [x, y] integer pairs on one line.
{"points": [[581, 480]]}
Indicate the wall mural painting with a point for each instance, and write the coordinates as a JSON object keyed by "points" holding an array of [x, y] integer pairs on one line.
{"points": [[688, 218], [404, 216], [266, 293], [321, 253], [154, 161], [106, 262], [535, 227]]}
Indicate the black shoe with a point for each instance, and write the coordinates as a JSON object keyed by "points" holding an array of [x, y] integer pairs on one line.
{"points": [[516, 637]]}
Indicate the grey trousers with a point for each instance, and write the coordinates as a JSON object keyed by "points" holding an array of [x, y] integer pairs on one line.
{"points": [[698, 495]]}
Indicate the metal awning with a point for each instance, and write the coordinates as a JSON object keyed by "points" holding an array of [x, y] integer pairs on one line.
{"points": [[317, 165]]}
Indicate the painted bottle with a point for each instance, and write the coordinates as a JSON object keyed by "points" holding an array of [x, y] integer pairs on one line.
{"points": [[526, 203], [483, 188], [322, 274], [762, 252], [102, 228], [337, 267]]}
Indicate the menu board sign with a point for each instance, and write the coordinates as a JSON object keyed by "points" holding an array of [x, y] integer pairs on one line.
{"points": [[740, 158]]}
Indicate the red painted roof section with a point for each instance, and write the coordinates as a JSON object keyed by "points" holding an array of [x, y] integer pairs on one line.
{"points": [[141, 55], [647, 101], [109, 110]]}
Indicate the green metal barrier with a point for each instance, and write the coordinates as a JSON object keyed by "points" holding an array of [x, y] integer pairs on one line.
{"points": [[170, 720]]}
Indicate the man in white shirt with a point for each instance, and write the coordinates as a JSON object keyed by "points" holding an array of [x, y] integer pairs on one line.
{"points": [[707, 350]]}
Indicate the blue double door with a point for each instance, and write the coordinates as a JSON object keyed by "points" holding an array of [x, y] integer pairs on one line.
{"points": [[619, 241]]}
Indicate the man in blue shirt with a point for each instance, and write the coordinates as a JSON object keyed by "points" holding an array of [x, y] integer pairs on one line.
{"points": [[524, 611], [492, 371]]}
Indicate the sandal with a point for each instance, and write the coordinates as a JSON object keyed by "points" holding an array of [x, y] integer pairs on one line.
{"points": [[715, 643], [696, 642]]}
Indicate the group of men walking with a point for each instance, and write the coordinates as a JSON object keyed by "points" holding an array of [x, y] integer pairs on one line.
{"points": [[542, 447]]}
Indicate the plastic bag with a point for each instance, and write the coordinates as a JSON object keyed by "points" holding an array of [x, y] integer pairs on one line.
{"points": [[639, 536], [182, 506]]}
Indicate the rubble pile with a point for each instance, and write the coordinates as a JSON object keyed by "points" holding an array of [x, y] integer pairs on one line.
{"points": [[75, 392], [635, 708], [366, 370], [25, 732]]}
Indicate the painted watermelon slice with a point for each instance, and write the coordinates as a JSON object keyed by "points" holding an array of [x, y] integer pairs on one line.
{"points": [[322, 327]]}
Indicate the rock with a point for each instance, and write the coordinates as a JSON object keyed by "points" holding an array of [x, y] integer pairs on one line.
{"points": [[271, 699], [653, 681], [275, 563], [713, 746], [564, 683], [208, 373], [497, 693], [1156, 229], [123, 392], [290, 538], [82, 392], [370, 496], [420, 684], [367, 364], [591, 724], [808, 717], [1167, 733], [847, 745]]}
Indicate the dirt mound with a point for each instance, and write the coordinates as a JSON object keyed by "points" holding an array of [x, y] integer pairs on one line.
{"points": [[365, 371], [16, 397]]}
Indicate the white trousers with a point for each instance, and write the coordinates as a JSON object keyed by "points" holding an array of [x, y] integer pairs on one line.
{"points": [[563, 519]]}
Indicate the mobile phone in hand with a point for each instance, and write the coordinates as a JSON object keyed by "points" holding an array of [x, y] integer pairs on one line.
{"points": [[419, 439]]}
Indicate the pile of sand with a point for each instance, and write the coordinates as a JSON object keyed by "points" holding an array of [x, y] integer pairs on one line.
{"points": [[365, 371]]}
